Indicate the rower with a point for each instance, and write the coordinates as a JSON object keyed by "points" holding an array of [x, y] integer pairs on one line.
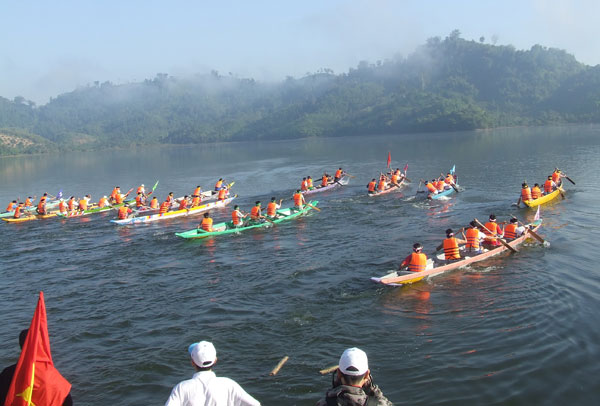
{"points": [[83, 204], [71, 203], [62, 206], [338, 175], [272, 208], [513, 230], [183, 203], [113, 195], [141, 189], [207, 223], [124, 212], [556, 177], [164, 206], [492, 232], [325, 180], [304, 185], [237, 217], [255, 213], [440, 185], [223, 193], [395, 179], [170, 198], [196, 200], [299, 201], [449, 179], [381, 186], [549, 185], [474, 238], [536, 192], [28, 201], [154, 203], [309, 183], [119, 198], [197, 191], [525, 193], [371, 186], [219, 185], [450, 245], [18, 210], [12, 205], [103, 202], [41, 207], [139, 200], [431, 188], [416, 261]]}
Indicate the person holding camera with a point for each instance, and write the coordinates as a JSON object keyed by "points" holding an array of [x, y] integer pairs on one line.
{"points": [[352, 383]]}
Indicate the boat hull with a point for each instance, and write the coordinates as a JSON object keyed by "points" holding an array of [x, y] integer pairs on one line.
{"points": [[342, 182], [544, 199]]}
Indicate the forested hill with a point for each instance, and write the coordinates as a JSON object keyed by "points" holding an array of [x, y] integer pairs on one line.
{"points": [[449, 84]]}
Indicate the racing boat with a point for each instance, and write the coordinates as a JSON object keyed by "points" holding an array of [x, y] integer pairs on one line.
{"points": [[342, 182], [544, 199]]}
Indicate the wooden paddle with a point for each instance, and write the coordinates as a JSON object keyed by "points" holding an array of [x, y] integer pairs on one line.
{"points": [[312, 207], [499, 239], [279, 365], [530, 231], [569, 179], [351, 176]]}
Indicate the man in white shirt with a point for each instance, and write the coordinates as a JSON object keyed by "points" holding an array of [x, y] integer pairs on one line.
{"points": [[205, 388]]}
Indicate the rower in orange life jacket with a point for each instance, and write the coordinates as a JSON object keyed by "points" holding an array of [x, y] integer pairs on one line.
{"points": [[197, 191], [525, 193], [103, 202], [141, 189], [450, 245], [416, 261], [255, 212], [395, 178], [123, 212], [536, 192], [62, 206], [298, 200], [449, 179], [556, 177], [183, 203], [431, 187], [474, 237], [338, 175], [372, 185], [28, 201], [324, 180], [513, 230], [237, 217], [494, 232], [207, 223], [41, 207], [71, 203], [549, 185], [222, 194], [139, 200], [12, 205], [116, 191], [309, 183], [440, 185], [164, 207], [83, 204], [272, 207], [219, 185], [196, 200], [170, 198], [382, 184], [154, 203], [18, 210], [304, 185]]}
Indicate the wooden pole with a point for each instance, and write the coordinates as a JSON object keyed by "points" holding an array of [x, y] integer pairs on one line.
{"points": [[279, 365]]}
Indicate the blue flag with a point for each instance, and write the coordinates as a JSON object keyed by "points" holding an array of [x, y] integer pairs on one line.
{"points": [[453, 169], [59, 195]]}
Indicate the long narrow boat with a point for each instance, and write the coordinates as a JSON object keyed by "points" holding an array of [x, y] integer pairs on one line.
{"points": [[175, 213], [228, 228], [444, 193], [392, 188], [342, 182], [544, 199], [28, 218], [394, 279], [79, 213], [31, 209]]}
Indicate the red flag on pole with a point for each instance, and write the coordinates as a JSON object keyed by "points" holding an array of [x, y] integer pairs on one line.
{"points": [[405, 168], [36, 381], [389, 161]]}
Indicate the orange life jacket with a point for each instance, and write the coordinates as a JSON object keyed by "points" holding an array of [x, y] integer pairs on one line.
{"points": [[451, 248], [297, 199], [62, 207], [71, 204], [183, 204], [83, 204], [11, 206], [430, 187], [272, 209], [510, 231], [164, 207], [418, 262], [381, 185], [114, 193], [218, 184], [449, 179], [324, 181], [304, 185], [154, 203], [119, 198], [169, 199], [123, 212], [338, 173], [140, 189], [395, 178], [309, 183], [42, 205], [493, 227], [371, 186], [196, 201], [17, 212], [555, 177], [197, 191], [236, 217], [139, 201], [222, 194], [102, 202], [207, 223], [440, 185], [28, 202], [525, 194], [472, 235], [536, 193], [255, 212], [548, 186]]}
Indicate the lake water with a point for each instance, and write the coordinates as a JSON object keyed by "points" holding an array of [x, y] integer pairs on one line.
{"points": [[124, 303]]}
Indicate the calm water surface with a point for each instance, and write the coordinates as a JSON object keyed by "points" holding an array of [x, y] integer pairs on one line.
{"points": [[125, 302]]}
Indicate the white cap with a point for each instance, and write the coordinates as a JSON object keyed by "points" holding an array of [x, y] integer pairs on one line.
{"points": [[354, 362], [203, 354]]}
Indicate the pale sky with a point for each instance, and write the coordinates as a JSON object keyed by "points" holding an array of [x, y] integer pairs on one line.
{"points": [[51, 47]]}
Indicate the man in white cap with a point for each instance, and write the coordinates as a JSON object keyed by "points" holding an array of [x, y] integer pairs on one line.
{"points": [[353, 384], [205, 388]]}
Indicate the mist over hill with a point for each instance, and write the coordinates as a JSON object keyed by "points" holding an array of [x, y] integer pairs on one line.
{"points": [[444, 85]]}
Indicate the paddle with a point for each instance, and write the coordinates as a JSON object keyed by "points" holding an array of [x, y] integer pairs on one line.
{"points": [[570, 180], [313, 207], [499, 239], [530, 231], [351, 176]]}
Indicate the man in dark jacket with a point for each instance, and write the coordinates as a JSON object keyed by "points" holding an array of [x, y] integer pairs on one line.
{"points": [[353, 384]]}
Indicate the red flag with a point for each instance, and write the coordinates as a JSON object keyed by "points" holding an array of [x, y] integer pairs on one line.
{"points": [[389, 159], [36, 381], [405, 167]]}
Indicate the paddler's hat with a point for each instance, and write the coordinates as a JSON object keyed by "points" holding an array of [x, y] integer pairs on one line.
{"points": [[142, 185], [524, 184], [492, 217], [203, 354], [354, 362], [449, 232], [417, 246]]}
